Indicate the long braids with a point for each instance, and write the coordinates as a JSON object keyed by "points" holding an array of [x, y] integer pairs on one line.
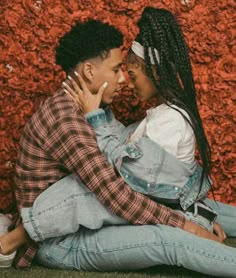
{"points": [[159, 29]]}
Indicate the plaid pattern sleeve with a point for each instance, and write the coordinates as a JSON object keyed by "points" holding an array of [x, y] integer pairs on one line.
{"points": [[59, 140]]}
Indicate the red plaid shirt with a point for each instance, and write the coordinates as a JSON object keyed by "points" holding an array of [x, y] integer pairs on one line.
{"points": [[56, 142]]}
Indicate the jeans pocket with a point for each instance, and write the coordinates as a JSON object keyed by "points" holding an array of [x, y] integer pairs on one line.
{"points": [[58, 253]]}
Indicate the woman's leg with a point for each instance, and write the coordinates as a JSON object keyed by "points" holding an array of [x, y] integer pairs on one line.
{"points": [[115, 248], [226, 216], [58, 211], [62, 208]]}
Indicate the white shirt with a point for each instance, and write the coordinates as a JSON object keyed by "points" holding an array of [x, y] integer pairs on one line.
{"points": [[170, 130]]}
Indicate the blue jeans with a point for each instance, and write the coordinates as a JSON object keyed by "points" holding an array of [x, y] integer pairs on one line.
{"points": [[59, 217]]}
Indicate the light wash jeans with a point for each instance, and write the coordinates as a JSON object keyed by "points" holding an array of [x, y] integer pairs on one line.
{"points": [[67, 220]]}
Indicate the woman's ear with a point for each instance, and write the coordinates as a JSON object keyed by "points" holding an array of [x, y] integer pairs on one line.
{"points": [[88, 71]]}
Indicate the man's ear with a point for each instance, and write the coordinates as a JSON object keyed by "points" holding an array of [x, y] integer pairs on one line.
{"points": [[88, 71]]}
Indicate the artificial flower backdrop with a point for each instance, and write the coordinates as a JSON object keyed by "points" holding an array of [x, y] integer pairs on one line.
{"points": [[30, 30]]}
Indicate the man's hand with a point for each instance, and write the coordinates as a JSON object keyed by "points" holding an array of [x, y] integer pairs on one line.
{"points": [[81, 94], [201, 232], [218, 230]]}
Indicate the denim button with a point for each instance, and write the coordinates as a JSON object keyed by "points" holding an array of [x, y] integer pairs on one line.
{"points": [[133, 151]]}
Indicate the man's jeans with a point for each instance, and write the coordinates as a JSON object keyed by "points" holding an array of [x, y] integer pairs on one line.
{"points": [[67, 218]]}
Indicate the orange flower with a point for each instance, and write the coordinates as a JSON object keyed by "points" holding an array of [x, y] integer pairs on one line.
{"points": [[226, 68], [28, 38]]}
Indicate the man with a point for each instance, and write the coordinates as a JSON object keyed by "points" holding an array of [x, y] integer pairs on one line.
{"points": [[58, 142]]}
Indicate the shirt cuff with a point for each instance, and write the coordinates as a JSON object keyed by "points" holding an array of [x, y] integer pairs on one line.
{"points": [[96, 118], [176, 220], [109, 114]]}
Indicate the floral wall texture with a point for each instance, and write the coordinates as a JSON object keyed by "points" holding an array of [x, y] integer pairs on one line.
{"points": [[30, 30]]}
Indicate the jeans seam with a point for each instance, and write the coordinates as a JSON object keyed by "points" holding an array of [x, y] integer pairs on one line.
{"points": [[176, 245], [35, 227], [202, 253], [73, 196]]}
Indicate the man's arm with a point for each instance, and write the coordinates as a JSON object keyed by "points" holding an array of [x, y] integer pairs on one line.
{"points": [[73, 142]]}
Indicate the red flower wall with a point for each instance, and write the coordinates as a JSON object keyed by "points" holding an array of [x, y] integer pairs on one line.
{"points": [[30, 30]]}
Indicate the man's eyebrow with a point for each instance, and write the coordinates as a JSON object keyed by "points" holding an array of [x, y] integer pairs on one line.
{"points": [[118, 65]]}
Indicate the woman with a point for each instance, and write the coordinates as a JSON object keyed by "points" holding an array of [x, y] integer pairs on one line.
{"points": [[158, 65]]}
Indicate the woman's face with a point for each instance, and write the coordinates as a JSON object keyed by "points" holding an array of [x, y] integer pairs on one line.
{"points": [[141, 84]]}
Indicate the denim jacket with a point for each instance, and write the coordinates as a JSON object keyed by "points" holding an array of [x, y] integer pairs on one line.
{"points": [[145, 165]]}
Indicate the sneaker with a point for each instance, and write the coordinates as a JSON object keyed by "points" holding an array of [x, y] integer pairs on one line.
{"points": [[5, 222], [7, 260]]}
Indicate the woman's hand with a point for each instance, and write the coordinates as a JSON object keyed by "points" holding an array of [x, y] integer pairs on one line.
{"points": [[81, 94]]}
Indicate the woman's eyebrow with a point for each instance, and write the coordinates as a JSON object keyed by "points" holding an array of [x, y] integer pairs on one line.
{"points": [[130, 72]]}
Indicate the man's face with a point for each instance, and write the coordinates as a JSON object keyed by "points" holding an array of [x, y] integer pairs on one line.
{"points": [[109, 70]]}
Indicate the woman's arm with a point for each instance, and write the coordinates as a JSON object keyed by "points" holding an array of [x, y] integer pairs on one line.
{"points": [[109, 139]]}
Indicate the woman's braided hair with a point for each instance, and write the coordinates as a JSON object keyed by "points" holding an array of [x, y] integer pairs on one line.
{"points": [[159, 29]]}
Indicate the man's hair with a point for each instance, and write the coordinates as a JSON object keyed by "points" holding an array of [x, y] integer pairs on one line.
{"points": [[86, 40]]}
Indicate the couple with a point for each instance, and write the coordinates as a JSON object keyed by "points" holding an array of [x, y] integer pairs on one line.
{"points": [[62, 223]]}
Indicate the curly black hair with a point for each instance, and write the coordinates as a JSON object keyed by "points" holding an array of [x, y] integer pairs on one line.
{"points": [[159, 29], [86, 40]]}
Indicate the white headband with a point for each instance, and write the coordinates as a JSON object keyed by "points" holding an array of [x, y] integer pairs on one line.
{"points": [[138, 49]]}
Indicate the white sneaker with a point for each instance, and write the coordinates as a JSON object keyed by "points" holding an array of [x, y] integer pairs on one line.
{"points": [[7, 260], [5, 222]]}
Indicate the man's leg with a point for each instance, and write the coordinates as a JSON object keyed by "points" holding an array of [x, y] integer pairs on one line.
{"points": [[127, 247], [62, 208], [226, 216]]}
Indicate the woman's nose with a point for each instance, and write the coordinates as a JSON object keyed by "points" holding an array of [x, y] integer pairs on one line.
{"points": [[130, 85]]}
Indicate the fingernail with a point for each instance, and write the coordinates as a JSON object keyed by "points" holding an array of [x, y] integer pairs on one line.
{"points": [[64, 83], [105, 85], [69, 77], [76, 73]]}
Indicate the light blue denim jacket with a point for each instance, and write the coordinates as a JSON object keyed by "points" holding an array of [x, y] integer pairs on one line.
{"points": [[145, 165]]}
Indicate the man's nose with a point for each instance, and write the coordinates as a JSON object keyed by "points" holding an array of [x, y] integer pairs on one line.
{"points": [[122, 77]]}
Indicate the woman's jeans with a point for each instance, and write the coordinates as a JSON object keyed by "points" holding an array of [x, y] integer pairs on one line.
{"points": [[67, 218]]}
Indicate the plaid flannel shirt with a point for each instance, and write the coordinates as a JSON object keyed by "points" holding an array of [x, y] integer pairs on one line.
{"points": [[56, 142]]}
